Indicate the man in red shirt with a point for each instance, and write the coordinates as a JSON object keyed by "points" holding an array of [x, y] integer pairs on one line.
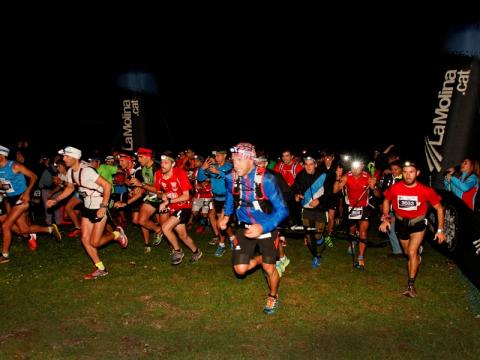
{"points": [[175, 189], [409, 201], [360, 188], [288, 168]]}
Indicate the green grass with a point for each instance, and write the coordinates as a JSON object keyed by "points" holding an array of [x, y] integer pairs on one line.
{"points": [[147, 309]]}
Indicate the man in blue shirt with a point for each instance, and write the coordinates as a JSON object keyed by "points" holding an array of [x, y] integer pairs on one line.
{"points": [[260, 210]]}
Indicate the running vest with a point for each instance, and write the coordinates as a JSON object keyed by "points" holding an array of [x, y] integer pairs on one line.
{"points": [[84, 190], [261, 201]]}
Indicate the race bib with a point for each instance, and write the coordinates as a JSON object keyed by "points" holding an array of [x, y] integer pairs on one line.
{"points": [[355, 213], [6, 186], [408, 203]]}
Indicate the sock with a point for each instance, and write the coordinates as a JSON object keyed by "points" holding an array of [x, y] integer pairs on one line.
{"points": [[411, 281], [5, 255], [50, 229], [100, 266], [282, 258], [232, 237], [221, 244], [116, 234]]}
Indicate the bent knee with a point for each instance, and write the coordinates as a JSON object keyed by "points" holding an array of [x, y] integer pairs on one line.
{"points": [[240, 269]]}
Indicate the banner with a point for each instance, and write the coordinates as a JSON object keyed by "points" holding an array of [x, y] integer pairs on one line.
{"points": [[455, 134], [133, 132], [135, 90], [454, 129]]}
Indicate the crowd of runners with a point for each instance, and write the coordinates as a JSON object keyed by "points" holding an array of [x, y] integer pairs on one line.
{"points": [[245, 199]]}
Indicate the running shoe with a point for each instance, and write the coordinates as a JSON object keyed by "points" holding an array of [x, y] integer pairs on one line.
{"points": [[220, 251], [279, 267], [76, 232], [214, 241], [329, 241], [56, 233], [285, 262], [271, 306], [32, 242], [157, 240], [122, 239], [410, 292], [95, 274], [177, 257], [196, 257], [316, 261]]}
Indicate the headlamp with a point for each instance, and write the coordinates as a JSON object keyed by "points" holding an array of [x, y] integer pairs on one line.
{"points": [[165, 157], [309, 158], [409, 163], [356, 164]]}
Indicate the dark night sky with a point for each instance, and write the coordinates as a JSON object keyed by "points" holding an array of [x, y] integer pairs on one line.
{"points": [[244, 80]]}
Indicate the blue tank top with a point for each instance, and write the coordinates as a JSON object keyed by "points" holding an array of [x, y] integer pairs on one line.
{"points": [[11, 184]]}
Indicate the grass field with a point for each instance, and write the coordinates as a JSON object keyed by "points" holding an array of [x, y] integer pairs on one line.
{"points": [[147, 309]]}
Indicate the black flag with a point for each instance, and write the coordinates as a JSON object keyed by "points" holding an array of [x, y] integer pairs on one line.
{"points": [[136, 87], [456, 116]]}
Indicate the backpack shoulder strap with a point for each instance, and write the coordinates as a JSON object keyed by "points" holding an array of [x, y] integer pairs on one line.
{"points": [[259, 190]]}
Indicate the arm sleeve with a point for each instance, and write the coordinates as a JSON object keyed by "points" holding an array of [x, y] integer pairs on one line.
{"points": [[229, 203], [471, 182], [201, 176], [226, 169], [445, 183]]}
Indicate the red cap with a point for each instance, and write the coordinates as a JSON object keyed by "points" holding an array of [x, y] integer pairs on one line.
{"points": [[144, 152]]}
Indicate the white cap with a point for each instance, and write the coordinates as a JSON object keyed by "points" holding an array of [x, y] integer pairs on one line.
{"points": [[4, 151], [71, 151]]}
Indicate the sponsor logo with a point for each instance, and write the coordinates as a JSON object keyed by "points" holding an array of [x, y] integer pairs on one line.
{"points": [[476, 243], [434, 142], [127, 126]]}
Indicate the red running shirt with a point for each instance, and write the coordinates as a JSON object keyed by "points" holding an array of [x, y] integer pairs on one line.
{"points": [[174, 187], [411, 202], [289, 172], [355, 189]]}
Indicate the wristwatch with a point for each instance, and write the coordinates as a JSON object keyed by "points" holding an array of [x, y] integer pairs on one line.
{"points": [[104, 205], [439, 230]]}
